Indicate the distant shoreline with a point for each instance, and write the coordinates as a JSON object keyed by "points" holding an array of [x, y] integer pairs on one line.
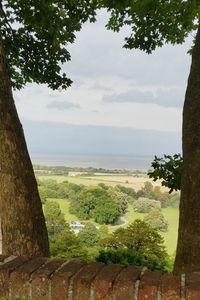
{"points": [[108, 162]]}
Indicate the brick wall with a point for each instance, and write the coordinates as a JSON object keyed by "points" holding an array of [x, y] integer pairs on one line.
{"points": [[45, 279]]}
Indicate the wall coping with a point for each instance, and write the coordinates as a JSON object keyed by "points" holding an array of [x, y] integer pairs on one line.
{"points": [[57, 279]]}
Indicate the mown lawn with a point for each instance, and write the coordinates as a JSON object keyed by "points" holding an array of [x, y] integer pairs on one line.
{"points": [[64, 206], [172, 216]]}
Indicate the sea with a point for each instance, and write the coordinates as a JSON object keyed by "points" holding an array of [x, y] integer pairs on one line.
{"points": [[111, 162]]}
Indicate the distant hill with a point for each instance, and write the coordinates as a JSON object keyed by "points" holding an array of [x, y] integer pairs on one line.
{"points": [[60, 138]]}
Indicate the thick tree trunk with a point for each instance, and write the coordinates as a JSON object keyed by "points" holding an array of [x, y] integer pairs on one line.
{"points": [[188, 248], [23, 225]]}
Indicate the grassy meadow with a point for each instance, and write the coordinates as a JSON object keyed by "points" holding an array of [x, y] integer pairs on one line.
{"points": [[131, 181]]}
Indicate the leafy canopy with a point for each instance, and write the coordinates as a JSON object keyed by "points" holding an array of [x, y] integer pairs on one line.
{"points": [[105, 206], [138, 235], [35, 35], [36, 32], [89, 235], [168, 169], [52, 208], [153, 23], [138, 244], [156, 220]]}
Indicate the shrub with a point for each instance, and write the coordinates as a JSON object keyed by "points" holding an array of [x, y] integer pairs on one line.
{"points": [[89, 235], [137, 244], [156, 220], [144, 205], [174, 201], [130, 257]]}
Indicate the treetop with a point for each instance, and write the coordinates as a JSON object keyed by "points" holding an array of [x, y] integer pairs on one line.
{"points": [[35, 34], [153, 23]]}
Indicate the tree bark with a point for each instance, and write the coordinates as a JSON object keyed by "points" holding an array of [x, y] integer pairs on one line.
{"points": [[188, 247], [23, 225]]}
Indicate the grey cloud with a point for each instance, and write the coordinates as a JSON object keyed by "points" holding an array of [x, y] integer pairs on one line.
{"points": [[54, 95], [31, 89], [77, 82], [98, 52], [99, 86], [166, 98], [60, 105], [35, 89]]}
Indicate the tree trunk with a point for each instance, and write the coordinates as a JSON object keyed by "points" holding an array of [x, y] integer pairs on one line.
{"points": [[22, 221], [188, 248]]}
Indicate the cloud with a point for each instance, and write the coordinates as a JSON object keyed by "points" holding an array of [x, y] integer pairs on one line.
{"points": [[99, 53], [77, 82], [102, 87], [99, 63], [63, 105], [166, 98]]}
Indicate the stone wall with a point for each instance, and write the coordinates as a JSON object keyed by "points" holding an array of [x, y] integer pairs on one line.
{"points": [[47, 279]]}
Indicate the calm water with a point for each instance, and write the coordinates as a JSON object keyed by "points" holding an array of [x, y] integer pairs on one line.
{"points": [[141, 163]]}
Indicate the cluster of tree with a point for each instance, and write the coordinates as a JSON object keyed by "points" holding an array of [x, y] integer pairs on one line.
{"points": [[163, 199], [103, 204], [106, 204], [156, 220], [50, 188], [63, 242], [150, 200], [144, 205], [138, 244]]}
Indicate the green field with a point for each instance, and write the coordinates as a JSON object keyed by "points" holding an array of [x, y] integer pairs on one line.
{"points": [[171, 215], [64, 206], [135, 182]]}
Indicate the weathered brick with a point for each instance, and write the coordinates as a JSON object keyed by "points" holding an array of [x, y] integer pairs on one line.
{"points": [[40, 287], [5, 271], [192, 286], [124, 286], [40, 278], [82, 281], [149, 285], [170, 287], [19, 279], [60, 280], [103, 284]]}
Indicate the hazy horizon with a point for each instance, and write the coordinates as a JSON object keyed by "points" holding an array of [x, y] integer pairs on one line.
{"points": [[60, 138], [96, 146]]}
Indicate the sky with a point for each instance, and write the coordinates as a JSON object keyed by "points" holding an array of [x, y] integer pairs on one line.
{"points": [[117, 94]]}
